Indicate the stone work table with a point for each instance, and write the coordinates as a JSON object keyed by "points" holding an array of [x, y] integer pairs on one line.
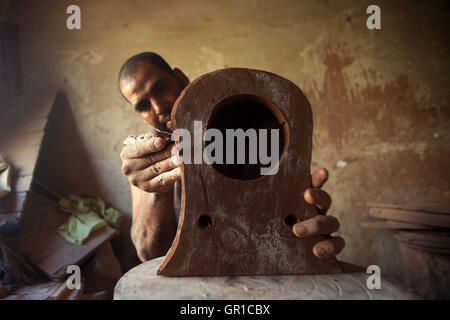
{"points": [[142, 283]]}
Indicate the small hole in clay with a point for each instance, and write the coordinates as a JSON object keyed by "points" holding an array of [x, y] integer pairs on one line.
{"points": [[204, 221], [290, 220]]}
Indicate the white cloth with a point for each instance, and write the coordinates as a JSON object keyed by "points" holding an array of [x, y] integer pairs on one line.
{"points": [[5, 177]]}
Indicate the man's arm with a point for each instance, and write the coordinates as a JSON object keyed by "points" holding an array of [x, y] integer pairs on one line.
{"points": [[152, 171], [153, 226]]}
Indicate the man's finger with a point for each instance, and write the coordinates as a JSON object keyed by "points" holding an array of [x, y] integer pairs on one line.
{"points": [[319, 177], [147, 161], [160, 167], [165, 178], [319, 198], [132, 165], [142, 148], [315, 226], [329, 248]]}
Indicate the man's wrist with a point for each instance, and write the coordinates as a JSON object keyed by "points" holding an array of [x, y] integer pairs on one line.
{"points": [[166, 196]]}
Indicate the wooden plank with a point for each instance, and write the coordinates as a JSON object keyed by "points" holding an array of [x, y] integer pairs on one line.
{"points": [[424, 218], [430, 238], [46, 249], [12, 202], [38, 291], [395, 225], [424, 243], [56, 263], [44, 245], [425, 248], [64, 293], [432, 207], [437, 236]]}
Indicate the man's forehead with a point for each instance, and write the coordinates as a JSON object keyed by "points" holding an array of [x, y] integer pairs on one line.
{"points": [[137, 80]]}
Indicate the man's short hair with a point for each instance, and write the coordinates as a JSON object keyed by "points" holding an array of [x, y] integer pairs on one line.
{"points": [[132, 64]]}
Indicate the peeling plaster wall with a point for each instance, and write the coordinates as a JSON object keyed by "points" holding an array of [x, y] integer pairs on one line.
{"points": [[380, 98]]}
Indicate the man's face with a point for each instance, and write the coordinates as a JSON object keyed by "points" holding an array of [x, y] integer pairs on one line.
{"points": [[152, 92]]}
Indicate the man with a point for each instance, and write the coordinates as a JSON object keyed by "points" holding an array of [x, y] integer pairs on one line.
{"points": [[151, 86]]}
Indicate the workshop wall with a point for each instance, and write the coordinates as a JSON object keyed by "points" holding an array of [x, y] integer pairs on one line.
{"points": [[380, 97]]}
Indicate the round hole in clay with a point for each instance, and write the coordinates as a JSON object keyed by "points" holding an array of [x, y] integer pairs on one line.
{"points": [[248, 112], [290, 220], [204, 221]]}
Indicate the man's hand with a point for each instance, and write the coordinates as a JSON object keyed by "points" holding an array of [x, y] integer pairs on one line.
{"points": [[150, 166], [320, 224]]}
